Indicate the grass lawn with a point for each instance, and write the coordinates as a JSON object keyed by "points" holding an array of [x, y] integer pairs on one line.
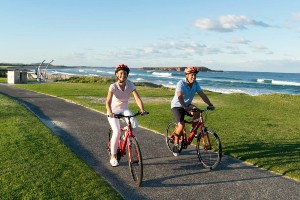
{"points": [[262, 130], [35, 164], [3, 80]]}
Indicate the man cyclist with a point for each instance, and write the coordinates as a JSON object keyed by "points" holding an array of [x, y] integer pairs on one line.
{"points": [[181, 104]]}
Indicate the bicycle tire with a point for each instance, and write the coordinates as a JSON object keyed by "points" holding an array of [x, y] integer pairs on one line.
{"points": [[209, 149], [135, 161], [169, 140]]}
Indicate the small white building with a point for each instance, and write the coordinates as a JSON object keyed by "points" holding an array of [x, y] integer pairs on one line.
{"points": [[16, 76]]}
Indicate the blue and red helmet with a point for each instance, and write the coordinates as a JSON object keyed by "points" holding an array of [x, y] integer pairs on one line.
{"points": [[122, 67]]}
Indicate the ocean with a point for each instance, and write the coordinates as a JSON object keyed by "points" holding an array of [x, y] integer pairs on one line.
{"points": [[251, 83]]}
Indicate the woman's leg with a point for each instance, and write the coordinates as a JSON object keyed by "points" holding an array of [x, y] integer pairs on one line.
{"points": [[116, 133]]}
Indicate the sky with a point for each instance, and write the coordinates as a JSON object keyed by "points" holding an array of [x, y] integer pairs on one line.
{"points": [[229, 35]]}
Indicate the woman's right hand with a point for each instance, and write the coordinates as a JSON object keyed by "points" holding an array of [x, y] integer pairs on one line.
{"points": [[111, 115]]}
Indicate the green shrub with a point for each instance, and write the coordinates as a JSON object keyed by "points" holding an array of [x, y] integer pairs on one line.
{"points": [[89, 79]]}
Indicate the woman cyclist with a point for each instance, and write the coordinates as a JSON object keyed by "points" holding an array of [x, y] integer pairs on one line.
{"points": [[181, 104], [117, 103]]}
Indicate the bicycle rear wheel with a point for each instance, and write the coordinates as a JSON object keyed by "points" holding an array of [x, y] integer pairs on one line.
{"points": [[209, 149], [170, 137], [135, 161]]}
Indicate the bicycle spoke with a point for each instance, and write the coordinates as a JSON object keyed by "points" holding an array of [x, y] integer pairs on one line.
{"points": [[209, 149], [170, 136], [135, 161]]}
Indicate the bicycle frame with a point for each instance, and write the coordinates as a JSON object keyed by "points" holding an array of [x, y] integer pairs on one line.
{"points": [[208, 144], [194, 131], [129, 142], [128, 133]]}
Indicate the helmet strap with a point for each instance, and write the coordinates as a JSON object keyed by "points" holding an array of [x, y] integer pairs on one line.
{"points": [[187, 81]]}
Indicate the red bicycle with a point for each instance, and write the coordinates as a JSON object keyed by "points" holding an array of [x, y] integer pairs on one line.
{"points": [[208, 145], [128, 141]]}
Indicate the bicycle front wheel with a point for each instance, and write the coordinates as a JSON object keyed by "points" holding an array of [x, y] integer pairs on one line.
{"points": [[135, 161], [209, 149]]}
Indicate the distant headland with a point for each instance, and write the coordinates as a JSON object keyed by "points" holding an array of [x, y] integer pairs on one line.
{"points": [[179, 69], [34, 65]]}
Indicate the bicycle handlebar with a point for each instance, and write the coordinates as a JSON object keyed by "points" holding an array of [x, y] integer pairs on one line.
{"points": [[199, 110], [129, 116]]}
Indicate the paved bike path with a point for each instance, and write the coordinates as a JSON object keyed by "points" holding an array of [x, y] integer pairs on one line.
{"points": [[165, 177]]}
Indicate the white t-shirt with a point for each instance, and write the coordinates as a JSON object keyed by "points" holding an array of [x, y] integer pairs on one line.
{"points": [[120, 98]]}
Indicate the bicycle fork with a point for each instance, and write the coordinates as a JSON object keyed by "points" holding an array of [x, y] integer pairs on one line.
{"points": [[205, 139], [131, 148]]}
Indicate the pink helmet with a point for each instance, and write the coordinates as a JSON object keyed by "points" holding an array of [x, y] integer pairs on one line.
{"points": [[191, 69], [122, 67]]}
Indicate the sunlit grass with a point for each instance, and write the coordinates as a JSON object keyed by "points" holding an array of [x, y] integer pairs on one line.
{"points": [[35, 164], [3, 80], [262, 130]]}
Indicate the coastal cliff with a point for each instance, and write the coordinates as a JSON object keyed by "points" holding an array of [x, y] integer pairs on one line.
{"points": [[178, 69]]}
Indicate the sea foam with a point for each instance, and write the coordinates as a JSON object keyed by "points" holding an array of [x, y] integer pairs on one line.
{"points": [[276, 82], [162, 74]]}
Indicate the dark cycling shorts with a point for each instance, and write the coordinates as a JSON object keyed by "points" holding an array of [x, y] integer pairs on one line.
{"points": [[179, 114]]}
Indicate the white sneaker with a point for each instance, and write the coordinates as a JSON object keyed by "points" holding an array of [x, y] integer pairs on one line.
{"points": [[114, 162], [175, 150]]}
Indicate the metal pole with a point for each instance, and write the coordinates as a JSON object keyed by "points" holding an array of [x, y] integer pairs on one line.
{"points": [[39, 72]]}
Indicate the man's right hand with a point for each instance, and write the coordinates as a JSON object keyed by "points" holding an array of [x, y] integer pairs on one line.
{"points": [[211, 107]]}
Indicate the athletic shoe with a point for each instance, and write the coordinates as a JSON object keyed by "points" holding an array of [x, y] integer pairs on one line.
{"points": [[175, 150], [114, 162]]}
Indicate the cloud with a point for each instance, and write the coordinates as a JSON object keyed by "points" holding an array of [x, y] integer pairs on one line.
{"points": [[296, 16], [79, 55], [227, 23], [233, 50], [240, 40], [181, 45], [211, 51], [278, 65], [172, 50], [296, 20], [261, 48], [180, 50]]}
